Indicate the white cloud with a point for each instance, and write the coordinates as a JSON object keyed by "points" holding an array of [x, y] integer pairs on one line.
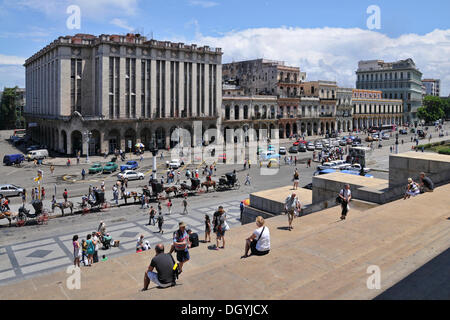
{"points": [[89, 8], [333, 53], [11, 60], [203, 3], [122, 24], [11, 76]]}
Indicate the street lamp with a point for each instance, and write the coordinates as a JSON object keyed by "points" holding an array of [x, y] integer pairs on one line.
{"points": [[396, 143], [87, 135], [154, 151]]}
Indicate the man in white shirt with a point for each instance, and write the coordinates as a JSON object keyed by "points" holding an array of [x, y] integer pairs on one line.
{"points": [[292, 206], [346, 197]]}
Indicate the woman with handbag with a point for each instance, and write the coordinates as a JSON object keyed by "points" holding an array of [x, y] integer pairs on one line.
{"points": [[220, 226], [259, 242]]}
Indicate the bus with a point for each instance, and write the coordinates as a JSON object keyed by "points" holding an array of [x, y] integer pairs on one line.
{"points": [[383, 128]]}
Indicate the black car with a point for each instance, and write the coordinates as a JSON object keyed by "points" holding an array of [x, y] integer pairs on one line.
{"points": [[293, 149], [301, 147], [403, 131], [421, 133]]}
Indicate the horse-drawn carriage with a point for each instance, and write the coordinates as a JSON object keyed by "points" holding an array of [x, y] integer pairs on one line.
{"points": [[229, 182], [193, 188], [40, 214]]}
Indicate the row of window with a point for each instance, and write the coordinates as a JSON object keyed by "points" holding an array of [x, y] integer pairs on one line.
{"points": [[387, 76]]}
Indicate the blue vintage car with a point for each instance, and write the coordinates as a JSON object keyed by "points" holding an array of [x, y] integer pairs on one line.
{"points": [[130, 165]]}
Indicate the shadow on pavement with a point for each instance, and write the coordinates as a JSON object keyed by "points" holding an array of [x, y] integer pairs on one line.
{"points": [[429, 282]]}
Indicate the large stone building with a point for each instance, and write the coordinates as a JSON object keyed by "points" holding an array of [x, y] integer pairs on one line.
{"points": [[344, 109], [397, 80], [432, 87], [370, 109], [120, 90]]}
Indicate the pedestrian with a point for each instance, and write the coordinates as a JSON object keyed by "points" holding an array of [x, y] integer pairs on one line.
{"points": [[181, 245], [185, 204], [78, 157], [84, 252], [96, 241], [33, 194], [24, 198], [295, 160], [152, 213], [345, 195], [126, 182], [207, 229], [76, 251], [42, 194], [249, 164], [292, 206], [241, 208], [247, 180], [169, 206], [426, 184], [90, 249], [245, 164], [83, 174], [160, 222], [122, 190], [220, 227], [296, 179], [141, 158], [143, 201], [52, 169], [65, 195], [115, 194], [53, 203], [309, 163]]}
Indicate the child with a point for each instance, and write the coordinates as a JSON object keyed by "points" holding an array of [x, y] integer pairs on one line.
{"points": [[84, 250], [207, 228], [160, 222]]}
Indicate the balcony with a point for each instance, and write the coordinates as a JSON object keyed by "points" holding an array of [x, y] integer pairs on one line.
{"points": [[326, 115]]}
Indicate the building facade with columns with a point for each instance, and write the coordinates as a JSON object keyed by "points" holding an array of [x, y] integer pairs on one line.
{"points": [[249, 112], [113, 91], [370, 109], [344, 109]]}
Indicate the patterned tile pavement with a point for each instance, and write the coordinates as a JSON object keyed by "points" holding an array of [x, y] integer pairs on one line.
{"points": [[29, 259]]}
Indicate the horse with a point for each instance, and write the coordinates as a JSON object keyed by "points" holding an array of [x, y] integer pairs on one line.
{"points": [[169, 190], [209, 184], [8, 215], [128, 195], [62, 206]]}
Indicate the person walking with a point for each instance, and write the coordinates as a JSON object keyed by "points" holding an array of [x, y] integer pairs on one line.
{"points": [[291, 206], [83, 174], [345, 195], [76, 251], [42, 193], [296, 179], [241, 208], [24, 198], [169, 206], [181, 245], [33, 194], [159, 208], [52, 169], [249, 164], [207, 229], [160, 222], [53, 203], [95, 241], [247, 180], [152, 213], [185, 204]]}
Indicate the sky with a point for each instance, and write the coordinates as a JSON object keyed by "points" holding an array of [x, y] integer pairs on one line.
{"points": [[326, 38]]}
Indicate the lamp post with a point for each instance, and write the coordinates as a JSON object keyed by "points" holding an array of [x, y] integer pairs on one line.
{"points": [[154, 151], [87, 135], [396, 143]]}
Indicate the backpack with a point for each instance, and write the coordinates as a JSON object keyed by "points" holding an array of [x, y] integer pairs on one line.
{"points": [[296, 175]]}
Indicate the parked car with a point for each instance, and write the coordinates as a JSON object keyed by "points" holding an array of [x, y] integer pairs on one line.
{"points": [[110, 167], [293, 149], [175, 164], [421, 133], [37, 155], [403, 131], [131, 175], [301, 147], [96, 168], [386, 136], [11, 159], [355, 167], [33, 147], [269, 155], [10, 190], [299, 141], [319, 146], [327, 165], [356, 144], [130, 165], [310, 146], [282, 151]]}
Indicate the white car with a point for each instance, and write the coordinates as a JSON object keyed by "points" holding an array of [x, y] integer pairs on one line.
{"points": [[356, 167], [131, 175], [175, 164], [386, 136], [319, 146], [310, 146], [10, 190]]}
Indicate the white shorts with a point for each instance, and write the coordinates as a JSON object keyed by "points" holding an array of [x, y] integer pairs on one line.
{"points": [[153, 276]]}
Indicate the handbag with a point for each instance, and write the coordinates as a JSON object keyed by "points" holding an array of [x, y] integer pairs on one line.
{"points": [[227, 227]]}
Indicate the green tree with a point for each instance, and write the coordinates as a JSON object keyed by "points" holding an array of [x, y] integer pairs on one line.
{"points": [[432, 110], [8, 104]]}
